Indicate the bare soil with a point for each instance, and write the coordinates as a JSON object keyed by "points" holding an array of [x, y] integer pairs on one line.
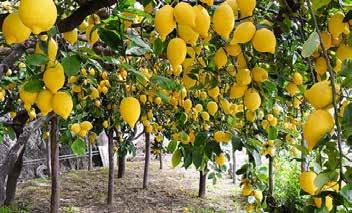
{"points": [[170, 190]]}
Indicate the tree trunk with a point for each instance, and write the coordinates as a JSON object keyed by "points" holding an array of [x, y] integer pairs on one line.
{"points": [[111, 168], [48, 158], [304, 163], [90, 157], [12, 179], [271, 181], [55, 167], [234, 166], [146, 160], [121, 166], [160, 160], [202, 184]]}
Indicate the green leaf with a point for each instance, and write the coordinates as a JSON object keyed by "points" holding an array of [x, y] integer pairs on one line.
{"points": [[71, 65], [273, 132], [176, 158], [200, 139], [164, 82], [183, 118], [140, 77], [346, 192], [310, 45], [196, 158], [79, 147], [172, 146], [321, 180], [112, 39], [158, 47], [317, 4], [33, 85], [138, 46], [36, 59]]}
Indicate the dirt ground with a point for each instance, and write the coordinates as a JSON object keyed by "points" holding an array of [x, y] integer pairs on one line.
{"points": [[170, 190]]}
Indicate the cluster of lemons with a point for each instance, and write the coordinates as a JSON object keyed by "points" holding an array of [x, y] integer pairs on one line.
{"points": [[247, 191]]}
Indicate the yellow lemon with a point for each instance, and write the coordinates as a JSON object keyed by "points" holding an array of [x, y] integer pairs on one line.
{"points": [[264, 41], [54, 77], [75, 128], [187, 34], [336, 25], [51, 45], [319, 95], [220, 58], [28, 97], [220, 159], [44, 102], [14, 30], [326, 37], [259, 74], [328, 202], [212, 108], [243, 33], [208, 2], [38, 15], [86, 125], [71, 36], [344, 52], [165, 21], [233, 4], [202, 21], [317, 125], [250, 116], [320, 65], [130, 110], [246, 7], [184, 14], [237, 91], [205, 116], [233, 49], [292, 89], [224, 20], [297, 78], [306, 180], [62, 104], [214, 92], [92, 35], [176, 52], [243, 77], [252, 99]]}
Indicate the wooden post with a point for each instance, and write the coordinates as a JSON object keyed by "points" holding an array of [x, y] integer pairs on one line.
{"points": [[146, 160], [111, 168], [55, 167]]}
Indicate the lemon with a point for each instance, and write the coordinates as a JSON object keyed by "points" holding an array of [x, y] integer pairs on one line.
{"points": [[297, 78], [208, 2], [187, 105], [75, 128], [241, 61], [292, 89], [252, 99], [83, 26], [44, 102], [28, 97], [212, 108], [86, 125], [218, 136], [71, 36], [320, 65], [344, 52], [31, 113], [336, 25], [176, 52], [54, 77], [233, 4], [187, 34], [233, 49], [258, 195], [220, 159], [326, 38], [106, 124], [188, 82], [259, 74], [246, 7], [205, 116], [93, 19], [143, 99], [243, 33], [38, 15], [92, 35], [224, 20], [264, 41], [51, 45], [243, 77], [246, 189], [317, 125], [130, 110], [319, 95], [220, 58], [157, 101], [62, 104], [237, 91], [306, 180], [184, 14], [250, 116], [165, 21], [202, 21], [328, 202], [14, 30], [338, 66], [214, 92], [199, 108]]}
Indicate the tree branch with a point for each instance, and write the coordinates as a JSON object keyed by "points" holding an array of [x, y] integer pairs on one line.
{"points": [[77, 17]]}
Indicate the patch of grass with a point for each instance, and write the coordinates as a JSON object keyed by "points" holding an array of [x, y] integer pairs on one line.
{"points": [[12, 210]]}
